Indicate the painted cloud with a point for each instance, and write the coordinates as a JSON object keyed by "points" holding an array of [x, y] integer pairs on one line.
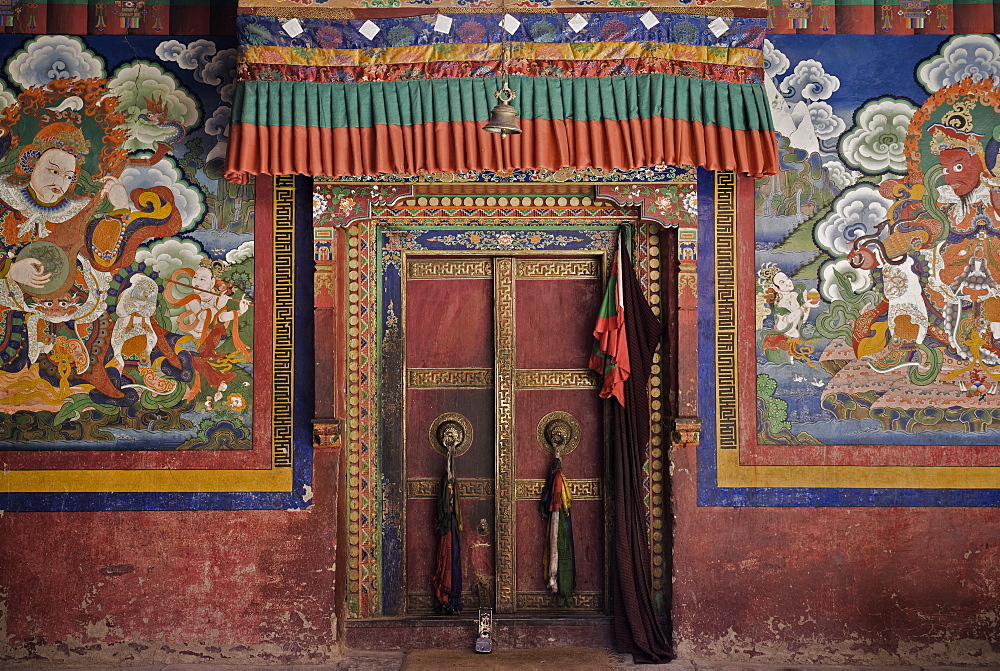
{"points": [[809, 81], [825, 122], [170, 254], [775, 62], [840, 175], [241, 253], [961, 57], [875, 142], [50, 57], [188, 56], [136, 85], [856, 212], [829, 288]]}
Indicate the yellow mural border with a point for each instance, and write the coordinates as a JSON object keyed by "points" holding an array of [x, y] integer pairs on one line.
{"points": [[729, 471], [277, 478]]}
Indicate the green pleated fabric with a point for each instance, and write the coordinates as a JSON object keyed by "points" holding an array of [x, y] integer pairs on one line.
{"points": [[408, 103]]}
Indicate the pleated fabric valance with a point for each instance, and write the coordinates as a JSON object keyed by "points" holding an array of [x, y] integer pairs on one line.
{"points": [[343, 100]]}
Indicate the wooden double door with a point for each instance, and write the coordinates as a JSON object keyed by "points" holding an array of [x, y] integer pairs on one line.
{"points": [[502, 341]]}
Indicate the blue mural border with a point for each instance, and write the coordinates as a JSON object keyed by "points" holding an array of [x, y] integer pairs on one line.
{"points": [[300, 257], [709, 493]]}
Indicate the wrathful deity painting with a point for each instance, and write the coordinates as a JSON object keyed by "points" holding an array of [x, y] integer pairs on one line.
{"points": [[878, 245], [127, 276]]}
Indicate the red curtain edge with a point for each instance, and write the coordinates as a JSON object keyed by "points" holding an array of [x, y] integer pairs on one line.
{"points": [[461, 146]]}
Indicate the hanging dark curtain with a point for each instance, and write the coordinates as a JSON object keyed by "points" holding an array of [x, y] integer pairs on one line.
{"points": [[637, 628]]}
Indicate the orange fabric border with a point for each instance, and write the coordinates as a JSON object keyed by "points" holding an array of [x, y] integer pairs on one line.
{"points": [[464, 146]]}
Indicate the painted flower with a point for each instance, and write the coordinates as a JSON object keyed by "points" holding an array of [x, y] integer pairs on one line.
{"points": [[505, 239], [690, 202], [320, 203], [346, 205], [236, 402]]}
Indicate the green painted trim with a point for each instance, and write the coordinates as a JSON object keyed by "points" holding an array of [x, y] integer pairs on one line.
{"points": [[585, 99]]}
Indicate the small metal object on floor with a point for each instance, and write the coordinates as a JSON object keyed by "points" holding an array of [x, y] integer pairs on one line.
{"points": [[485, 641]]}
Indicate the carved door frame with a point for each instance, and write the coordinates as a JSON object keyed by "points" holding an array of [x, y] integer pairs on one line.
{"points": [[371, 540]]}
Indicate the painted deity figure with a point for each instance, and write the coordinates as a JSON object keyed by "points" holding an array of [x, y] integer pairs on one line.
{"points": [[67, 226], [208, 306], [789, 305], [133, 334], [970, 254], [48, 274], [207, 318]]}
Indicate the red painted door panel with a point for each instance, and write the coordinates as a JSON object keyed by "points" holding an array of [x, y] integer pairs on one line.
{"points": [[454, 308]]}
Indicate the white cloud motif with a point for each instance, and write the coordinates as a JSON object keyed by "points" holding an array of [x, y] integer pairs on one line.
{"points": [[856, 212], [136, 84], [220, 69], [50, 57], [169, 50], [775, 62], [859, 280], [840, 175], [962, 57], [218, 123], [241, 253], [826, 124], [189, 57], [809, 81], [875, 142], [170, 254], [188, 199]]}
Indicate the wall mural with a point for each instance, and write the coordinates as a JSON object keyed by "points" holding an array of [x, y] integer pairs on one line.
{"points": [[127, 286], [874, 292]]}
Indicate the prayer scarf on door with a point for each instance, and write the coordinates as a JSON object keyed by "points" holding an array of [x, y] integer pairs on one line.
{"points": [[560, 563], [447, 580]]}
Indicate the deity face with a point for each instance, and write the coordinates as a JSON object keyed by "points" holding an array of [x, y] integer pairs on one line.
{"points": [[203, 279], [782, 282], [961, 170], [53, 175]]}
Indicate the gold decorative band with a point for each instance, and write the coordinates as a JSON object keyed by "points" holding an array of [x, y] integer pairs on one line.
{"points": [[531, 378], [590, 489], [434, 269], [558, 269], [547, 601], [433, 378], [305, 12], [430, 488]]}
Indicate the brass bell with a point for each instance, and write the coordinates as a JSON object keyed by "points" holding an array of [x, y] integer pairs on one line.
{"points": [[503, 118]]}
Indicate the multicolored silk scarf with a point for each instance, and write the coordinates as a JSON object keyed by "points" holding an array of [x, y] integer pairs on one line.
{"points": [[559, 560], [447, 580], [395, 95]]}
